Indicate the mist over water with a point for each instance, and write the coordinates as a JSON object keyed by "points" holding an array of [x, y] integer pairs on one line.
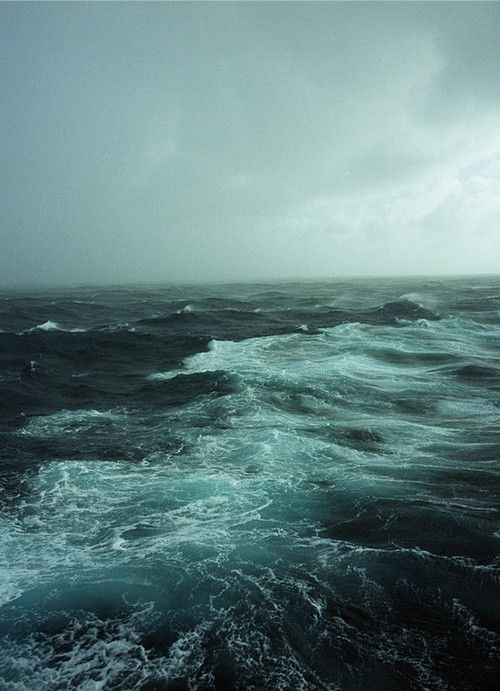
{"points": [[258, 486]]}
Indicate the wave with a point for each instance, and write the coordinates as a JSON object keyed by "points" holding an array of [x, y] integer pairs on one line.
{"points": [[100, 652], [262, 486], [181, 387], [403, 309], [257, 320], [115, 328], [70, 422], [50, 326], [172, 317], [206, 316], [476, 372], [244, 323], [187, 308], [163, 376]]}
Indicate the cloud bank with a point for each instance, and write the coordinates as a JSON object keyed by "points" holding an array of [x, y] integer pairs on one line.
{"points": [[214, 141]]}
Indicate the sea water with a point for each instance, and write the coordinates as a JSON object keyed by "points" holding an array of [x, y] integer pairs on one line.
{"points": [[259, 486]]}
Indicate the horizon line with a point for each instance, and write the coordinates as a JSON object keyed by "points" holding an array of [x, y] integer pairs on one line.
{"points": [[246, 281]]}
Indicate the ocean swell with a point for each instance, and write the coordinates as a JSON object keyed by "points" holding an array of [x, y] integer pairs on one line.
{"points": [[223, 499]]}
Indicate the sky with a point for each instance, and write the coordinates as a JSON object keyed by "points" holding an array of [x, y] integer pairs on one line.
{"points": [[212, 142]]}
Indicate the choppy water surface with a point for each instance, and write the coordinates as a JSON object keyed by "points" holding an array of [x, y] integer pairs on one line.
{"points": [[288, 486]]}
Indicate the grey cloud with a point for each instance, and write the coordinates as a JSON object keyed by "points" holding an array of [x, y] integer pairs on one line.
{"points": [[193, 141]]}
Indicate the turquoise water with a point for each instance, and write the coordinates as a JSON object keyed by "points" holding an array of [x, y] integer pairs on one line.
{"points": [[314, 507]]}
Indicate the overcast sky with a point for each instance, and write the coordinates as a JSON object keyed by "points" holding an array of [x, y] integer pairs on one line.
{"points": [[212, 142]]}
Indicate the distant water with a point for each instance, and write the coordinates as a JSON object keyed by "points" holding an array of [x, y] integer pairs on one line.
{"points": [[289, 486]]}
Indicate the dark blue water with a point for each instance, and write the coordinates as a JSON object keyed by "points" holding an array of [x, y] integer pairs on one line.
{"points": [[289, 486]]}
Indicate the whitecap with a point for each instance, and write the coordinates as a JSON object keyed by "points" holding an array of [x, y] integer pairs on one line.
{"points": [[185, 310], [50, 326], [162, 376], [73, 421], [116, 328]]}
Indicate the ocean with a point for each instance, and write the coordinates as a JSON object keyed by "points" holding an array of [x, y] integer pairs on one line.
{"points": [[255, 486]]}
